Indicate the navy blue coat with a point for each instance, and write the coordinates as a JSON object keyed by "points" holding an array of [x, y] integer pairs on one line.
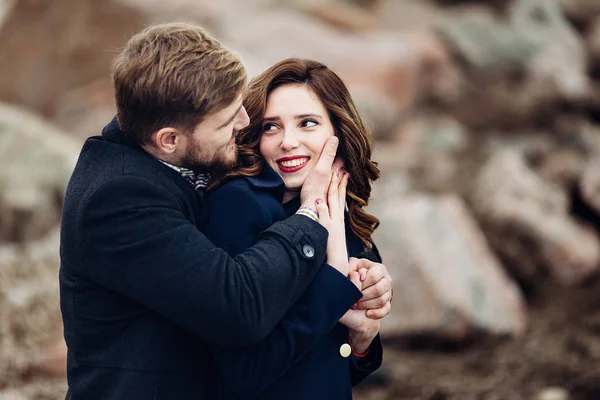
{"points": [[301, 358], [144, 294]]}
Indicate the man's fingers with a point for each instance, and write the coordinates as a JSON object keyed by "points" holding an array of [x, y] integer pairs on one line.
{"points": [[377, 290], [374, 303], [376, 273], [380, 312]]}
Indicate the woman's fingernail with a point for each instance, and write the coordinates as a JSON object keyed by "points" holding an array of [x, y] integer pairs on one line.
{"points": [[354, 307], [319, 201], [337, 172], [363, 276]]}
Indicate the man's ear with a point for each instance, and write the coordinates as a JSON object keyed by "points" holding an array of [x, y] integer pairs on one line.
{"points": [[167, 139]]}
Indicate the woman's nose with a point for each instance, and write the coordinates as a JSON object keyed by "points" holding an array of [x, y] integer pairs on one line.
{"points": [[289, 141]]}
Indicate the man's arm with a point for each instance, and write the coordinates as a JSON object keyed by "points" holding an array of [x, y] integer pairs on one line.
{"points": [[135, 240], [246, 372]]}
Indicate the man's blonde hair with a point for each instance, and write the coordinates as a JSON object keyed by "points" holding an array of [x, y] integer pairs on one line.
{"points": [[173, 75]]}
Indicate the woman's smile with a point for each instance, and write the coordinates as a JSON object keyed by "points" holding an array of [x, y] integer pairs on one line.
{"points": [[292, 164]]}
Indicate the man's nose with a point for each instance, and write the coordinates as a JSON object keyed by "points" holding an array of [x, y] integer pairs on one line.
{"points": [[244, 120]]}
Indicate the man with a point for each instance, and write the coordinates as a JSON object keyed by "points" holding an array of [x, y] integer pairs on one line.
{"points": [[143, 292]]}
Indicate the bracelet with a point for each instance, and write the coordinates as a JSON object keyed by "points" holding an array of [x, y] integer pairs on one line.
{"points": [[309, 212], [354, 353]]}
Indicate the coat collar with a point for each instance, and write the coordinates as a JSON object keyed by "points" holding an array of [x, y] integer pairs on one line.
{"points": [[267, 179], [113, 133]]}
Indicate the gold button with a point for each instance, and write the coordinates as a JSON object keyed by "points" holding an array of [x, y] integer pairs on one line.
{"points": [[345, 350]]}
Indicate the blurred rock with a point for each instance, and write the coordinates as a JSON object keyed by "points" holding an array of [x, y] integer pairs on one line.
{"points": [[590, 184], [516, 69], [593, 42], [582, 12], [49, 47], [428, 146], [341, 15], [387, 63], [380, 113], [38, 160], [451, 293], [552, 393], [526, 220], [563, 166], [50, 362], [29, 311]]}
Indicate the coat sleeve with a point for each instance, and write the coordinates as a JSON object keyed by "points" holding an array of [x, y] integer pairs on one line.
{"points": [[135, 240], [244, 373]]}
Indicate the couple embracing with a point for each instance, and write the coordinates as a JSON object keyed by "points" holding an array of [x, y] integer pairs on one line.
{"points": [[214, 240]]}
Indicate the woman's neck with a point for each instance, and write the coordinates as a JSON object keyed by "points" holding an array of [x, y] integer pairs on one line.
{"points": [[289, 195]]}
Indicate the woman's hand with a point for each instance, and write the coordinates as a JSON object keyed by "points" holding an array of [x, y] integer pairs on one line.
{"points": [[331, 216]]}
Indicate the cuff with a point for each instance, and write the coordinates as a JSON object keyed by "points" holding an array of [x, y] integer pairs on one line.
{"points": [[363, 366]]}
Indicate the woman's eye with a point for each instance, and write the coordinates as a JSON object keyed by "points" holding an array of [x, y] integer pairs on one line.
{"points": [[309, 123], [268, 127]]}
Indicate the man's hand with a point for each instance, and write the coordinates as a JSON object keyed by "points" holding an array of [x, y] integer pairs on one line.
{"points": [[362, 329], [317, 182], [376, 287]]}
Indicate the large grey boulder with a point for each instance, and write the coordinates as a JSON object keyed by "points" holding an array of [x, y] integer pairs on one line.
{"points": [[37, 161], [448, 283]]}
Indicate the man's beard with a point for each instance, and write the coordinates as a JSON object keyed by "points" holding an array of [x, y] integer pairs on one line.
{"points": [[224, 159]]}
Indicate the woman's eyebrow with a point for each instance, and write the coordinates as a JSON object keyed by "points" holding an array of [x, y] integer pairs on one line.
{"points": [[271, 119], [300, 116]]}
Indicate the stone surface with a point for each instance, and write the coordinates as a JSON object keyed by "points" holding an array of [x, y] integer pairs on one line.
{"points": [[593, 44], [428, 147], [581, 11], [590, 184], [31, 329], [526, 220], [37, 163], [454, 292], [517, 68]]}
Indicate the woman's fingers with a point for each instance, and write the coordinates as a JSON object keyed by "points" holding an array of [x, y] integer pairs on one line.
{"points": [[323, 211], [355, 279], [332, 193], [343, 185]]}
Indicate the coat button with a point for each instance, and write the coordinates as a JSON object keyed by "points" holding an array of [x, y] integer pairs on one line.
{"points": [[345, 350], [308, 251]]}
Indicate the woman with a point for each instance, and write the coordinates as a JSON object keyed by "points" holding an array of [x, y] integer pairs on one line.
{"points": [[295, 107]]}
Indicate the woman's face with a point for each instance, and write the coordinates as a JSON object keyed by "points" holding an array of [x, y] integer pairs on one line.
{"points": [[294, 130]]}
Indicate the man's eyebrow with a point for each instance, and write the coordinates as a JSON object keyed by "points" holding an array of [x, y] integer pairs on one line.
{"points": [[231, 119]]}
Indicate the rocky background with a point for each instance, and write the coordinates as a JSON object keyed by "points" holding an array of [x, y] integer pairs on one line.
{"points": [[486, 116]]}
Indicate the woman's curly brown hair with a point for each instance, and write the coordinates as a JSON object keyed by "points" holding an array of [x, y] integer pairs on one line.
{"points": [[355, 147]]}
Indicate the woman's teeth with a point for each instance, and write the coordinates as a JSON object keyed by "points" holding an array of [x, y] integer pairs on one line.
{"points": [[293, 163]]}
